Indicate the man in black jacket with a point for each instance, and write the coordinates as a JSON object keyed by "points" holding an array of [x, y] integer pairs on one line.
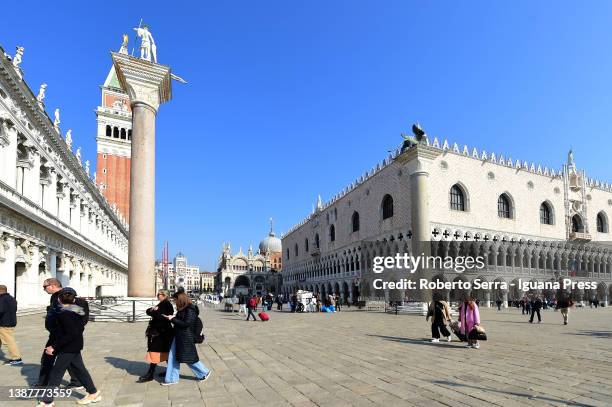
{"points": [[8, 322], [54, 287], [66, 345], [536, 305]]}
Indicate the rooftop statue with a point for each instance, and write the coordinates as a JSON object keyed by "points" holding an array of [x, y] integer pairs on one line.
{"points": [[57, 121], [148, 50], [69, 139], [41, 92], [124, 45], [17, 57], [78, 154]]}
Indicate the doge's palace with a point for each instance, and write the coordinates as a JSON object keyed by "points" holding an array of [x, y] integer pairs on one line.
{"points": [[528, 222], [54, 222]]}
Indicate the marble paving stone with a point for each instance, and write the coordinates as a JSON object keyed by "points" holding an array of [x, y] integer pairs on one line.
{"points": [[350, 359]]}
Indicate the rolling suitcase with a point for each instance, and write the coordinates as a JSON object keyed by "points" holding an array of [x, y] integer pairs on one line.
{"points": [[264, 316]]}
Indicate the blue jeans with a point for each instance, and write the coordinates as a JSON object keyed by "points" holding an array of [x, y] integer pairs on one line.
{"points": [[174, 366]]}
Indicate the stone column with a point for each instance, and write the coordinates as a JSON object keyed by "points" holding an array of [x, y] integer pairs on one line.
{"points": [[8, 153], [148, 85], [32, 184], [53, 263], [7, 262], [50, 204], [418, 159]]}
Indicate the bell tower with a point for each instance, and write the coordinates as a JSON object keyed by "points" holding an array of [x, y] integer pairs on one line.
{"points": [[114, 141]]}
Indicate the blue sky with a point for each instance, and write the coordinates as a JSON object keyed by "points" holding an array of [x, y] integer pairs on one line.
{"points": [[287, 100]]}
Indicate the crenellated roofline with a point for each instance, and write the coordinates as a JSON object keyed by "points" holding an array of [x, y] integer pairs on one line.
{"points": [[446, 147]]}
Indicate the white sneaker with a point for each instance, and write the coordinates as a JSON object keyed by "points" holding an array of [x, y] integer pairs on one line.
{"points": [[477, 346], [468, 345], [435, 340], [449, 338], [90, 398]]}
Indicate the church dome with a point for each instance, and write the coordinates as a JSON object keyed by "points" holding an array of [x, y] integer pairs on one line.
{"points": [[270, 244]]}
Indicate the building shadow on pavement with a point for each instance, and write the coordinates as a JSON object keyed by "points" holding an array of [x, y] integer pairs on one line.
{"points": [[424, 341], [548, 400]]}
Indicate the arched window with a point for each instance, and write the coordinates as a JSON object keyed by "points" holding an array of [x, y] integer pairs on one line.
{"points": [[287, 253], [306, 245], [115, 132], [296, 250], [602, 224], [123, 135], [129, 134], [504, 208], [317, 241], [546, 217], [577, 224], [332, 233], [387, 207], [457, 198], [355, 221], [109, 131]]}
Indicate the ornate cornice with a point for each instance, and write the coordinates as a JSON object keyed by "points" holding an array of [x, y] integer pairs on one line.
{"points": [[38, 119]]}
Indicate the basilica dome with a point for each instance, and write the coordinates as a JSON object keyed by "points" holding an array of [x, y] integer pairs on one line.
{"points": [[270, 244]]}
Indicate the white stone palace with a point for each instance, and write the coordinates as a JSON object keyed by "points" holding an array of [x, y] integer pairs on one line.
{"points": [[54, 222], [527, 220]]}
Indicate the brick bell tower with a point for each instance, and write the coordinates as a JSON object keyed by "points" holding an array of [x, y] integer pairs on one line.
{"points": [[114, 142]]}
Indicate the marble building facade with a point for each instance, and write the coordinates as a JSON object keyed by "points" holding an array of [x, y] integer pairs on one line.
{"points": [[528, 221], [54, 221], [251, 272]]}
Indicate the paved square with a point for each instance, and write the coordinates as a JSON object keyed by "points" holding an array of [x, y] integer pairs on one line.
{"points": [[352, 359]]}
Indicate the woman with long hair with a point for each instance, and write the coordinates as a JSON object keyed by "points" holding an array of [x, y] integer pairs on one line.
{"points": [[469, 316], [159, 334], [183, 349]]}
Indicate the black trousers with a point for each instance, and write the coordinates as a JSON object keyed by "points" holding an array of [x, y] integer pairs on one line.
{"points": [[533, 312], [438, 328], [62, 362], [46, 364], [251, 313]]}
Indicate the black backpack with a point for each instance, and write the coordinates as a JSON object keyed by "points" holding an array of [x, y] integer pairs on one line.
{"points": [[198, 330]]}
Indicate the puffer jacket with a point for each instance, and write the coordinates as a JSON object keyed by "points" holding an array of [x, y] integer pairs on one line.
{"points": [[68, 336], [184, 320]]}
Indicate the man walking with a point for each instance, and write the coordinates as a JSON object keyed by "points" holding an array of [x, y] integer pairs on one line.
{"points": [[8, 322], [563, 305], [536, 305], [251, 306], [53, 287]]}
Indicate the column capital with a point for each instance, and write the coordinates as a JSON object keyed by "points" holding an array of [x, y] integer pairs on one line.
{"points": [[146, 83]]}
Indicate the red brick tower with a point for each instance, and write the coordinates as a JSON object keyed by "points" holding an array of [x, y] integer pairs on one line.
{"points": [[114, 143]]}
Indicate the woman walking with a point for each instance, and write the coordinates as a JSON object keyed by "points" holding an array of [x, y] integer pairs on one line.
{"points": [[469, 316], [67, 346], [439, 311], [159, 334], [183, 349]]}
